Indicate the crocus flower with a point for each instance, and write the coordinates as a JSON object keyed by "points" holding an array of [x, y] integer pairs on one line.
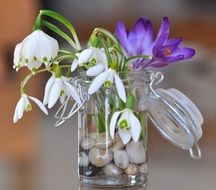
{"points": [[107, 78], [166, 51], [128, 125], [95, 57], [24, 105], [140, 41], [35, 49], [59, 88]]}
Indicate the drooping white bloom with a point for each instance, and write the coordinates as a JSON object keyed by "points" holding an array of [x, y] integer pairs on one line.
{"points": [[108, 77], [128, 125], [95, 57], [35, 49], [59, 88], [24, 105]]}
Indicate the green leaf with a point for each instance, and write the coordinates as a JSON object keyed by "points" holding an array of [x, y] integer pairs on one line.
{"points": [[64, 21], [59, 32]]}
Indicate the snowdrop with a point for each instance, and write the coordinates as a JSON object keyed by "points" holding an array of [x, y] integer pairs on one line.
{"points": [[35, 49], [107, 78], [58, 87], [24, 105], [95, 57], [128, 125]]}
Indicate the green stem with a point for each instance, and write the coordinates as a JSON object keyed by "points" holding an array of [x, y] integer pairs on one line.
{"points": [[107, 34], [135, 57], [28, 77], [106, 49]]}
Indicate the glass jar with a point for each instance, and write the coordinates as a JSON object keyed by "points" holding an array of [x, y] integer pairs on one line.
{"points": [[106, 161]]}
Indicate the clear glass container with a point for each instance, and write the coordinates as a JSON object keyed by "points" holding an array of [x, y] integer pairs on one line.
{"points": [[106, 161]]}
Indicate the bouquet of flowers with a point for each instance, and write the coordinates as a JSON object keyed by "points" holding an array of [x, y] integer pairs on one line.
{"points": [[106, 58]]}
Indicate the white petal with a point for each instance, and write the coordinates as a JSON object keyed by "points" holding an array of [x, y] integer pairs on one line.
{"points": [[98, 82], [135, 127], [113, 123], [62, 99], [40, 104], [73, 92], [54, 93], [125, 135], [85, 55], [17, 54], [15, 118], [20, 107], [48, 86], [120, 88], [26, 100], [74, 65], [125, 116], [34, 64], [95, 70], [29, 45]]}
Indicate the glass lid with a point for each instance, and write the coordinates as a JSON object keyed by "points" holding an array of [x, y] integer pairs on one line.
{"points": [[176, 118]]}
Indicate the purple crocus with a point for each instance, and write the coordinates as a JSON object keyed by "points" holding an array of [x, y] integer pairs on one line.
{"points": [[140, 41]]}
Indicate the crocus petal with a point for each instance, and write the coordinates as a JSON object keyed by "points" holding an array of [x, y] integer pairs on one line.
{"points": [[74, 65], [144, 36], [186, 52], [54, 93], [113, 123], [120, 88], [85, 55], [48, 86], [135, 126], [125, 135], [98, 82], [95, 70], [73, 92], [121, 34], [40, 104], [163, 32]]}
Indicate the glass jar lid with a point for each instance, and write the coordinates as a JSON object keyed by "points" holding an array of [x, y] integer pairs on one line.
{"points": [[176, 118]]}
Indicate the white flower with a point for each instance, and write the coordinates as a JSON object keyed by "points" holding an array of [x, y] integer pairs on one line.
{"points": [[59, 87], [128, 125], [24, 105], [35, 49], [107, 78], [95, 57]]}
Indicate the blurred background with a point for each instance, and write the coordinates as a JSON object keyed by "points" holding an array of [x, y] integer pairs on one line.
{"points": [[34, 155]]}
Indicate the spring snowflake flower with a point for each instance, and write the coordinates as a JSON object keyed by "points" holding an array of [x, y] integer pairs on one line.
{"points": [[35, 49], [107, 78], [59, 88], [96, 59], [24, 105], [128, 125]]}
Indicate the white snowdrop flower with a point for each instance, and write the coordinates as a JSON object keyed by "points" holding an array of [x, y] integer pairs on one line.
{"points": [[108, 77], [35, 49], [95, 57], [128, 125], [24, 105], [59, 88]]}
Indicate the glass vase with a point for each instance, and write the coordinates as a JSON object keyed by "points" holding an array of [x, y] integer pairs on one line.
{"points": [[106, 161]]}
